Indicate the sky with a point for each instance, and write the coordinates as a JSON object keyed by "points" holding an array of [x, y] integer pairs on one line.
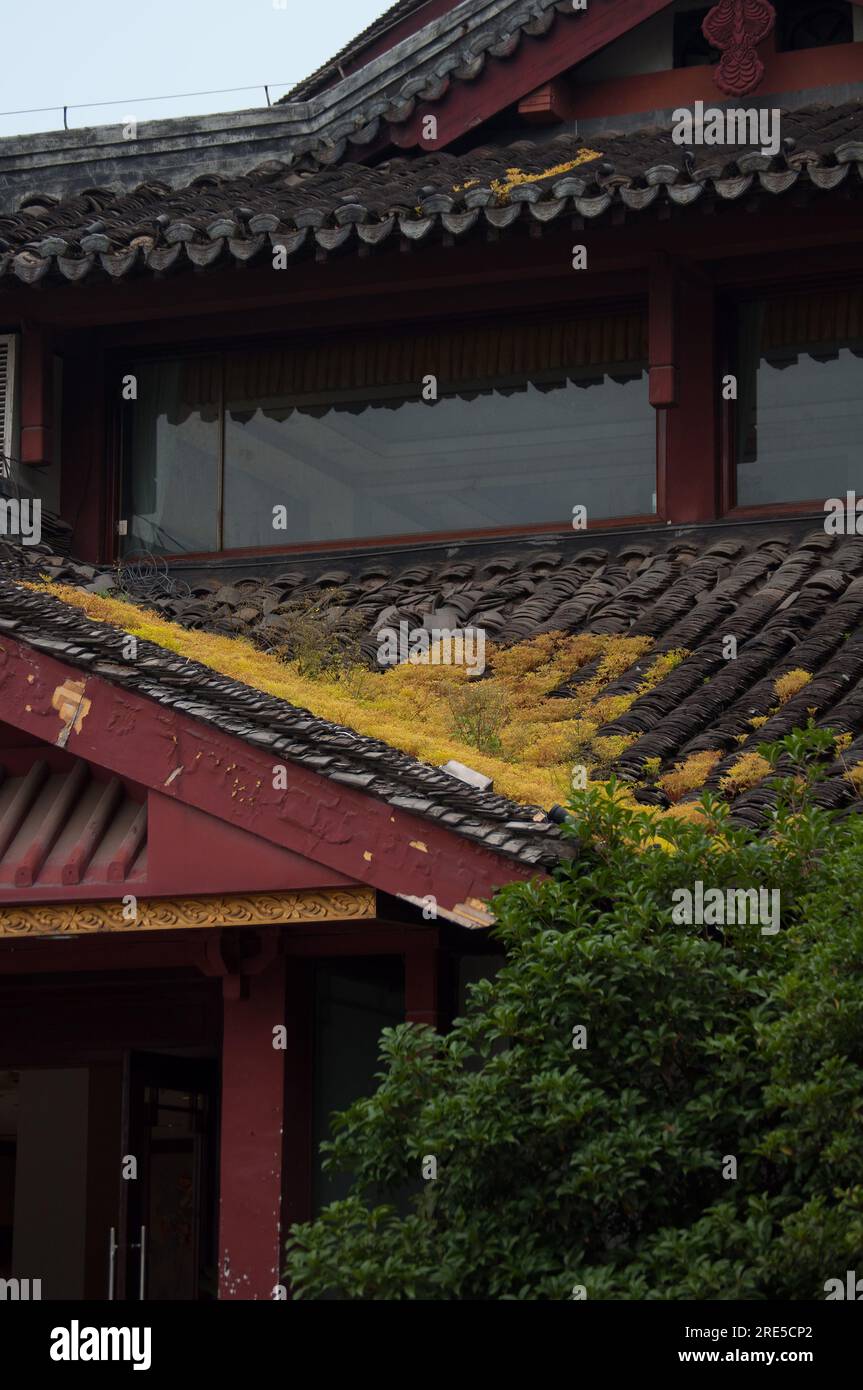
{"points": [[56, 54]]}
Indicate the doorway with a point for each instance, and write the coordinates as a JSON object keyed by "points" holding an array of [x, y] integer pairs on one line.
{"points": [[108, 1177], [164, 1245]]}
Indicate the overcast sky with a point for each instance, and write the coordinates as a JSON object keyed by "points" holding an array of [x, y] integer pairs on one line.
{"points": [[55, 54]]}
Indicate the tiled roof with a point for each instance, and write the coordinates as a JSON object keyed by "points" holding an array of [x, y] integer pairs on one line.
{"points": [[791, 596], [360, 207], [454, 48], [354, 760], [332, 68]]}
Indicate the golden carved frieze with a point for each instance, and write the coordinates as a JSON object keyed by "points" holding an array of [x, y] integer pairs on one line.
{"points": [[129, 914]]}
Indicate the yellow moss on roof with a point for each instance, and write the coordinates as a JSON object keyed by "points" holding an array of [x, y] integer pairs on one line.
{"points": [[791, 684], [531, 741], [514, 177]]}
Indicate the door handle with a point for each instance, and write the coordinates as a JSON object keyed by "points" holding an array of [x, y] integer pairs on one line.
{"points": [[142, 1277], [112, 1263], [113, 1247]]}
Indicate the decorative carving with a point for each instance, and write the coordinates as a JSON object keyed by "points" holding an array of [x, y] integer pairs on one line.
{"points": [[179, 914], [735, 27]]}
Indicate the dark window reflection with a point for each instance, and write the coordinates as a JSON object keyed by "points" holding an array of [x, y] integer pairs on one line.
{"points": [[799, 410], [318, 447], [355, 999], [453, 465], [172, 458]]}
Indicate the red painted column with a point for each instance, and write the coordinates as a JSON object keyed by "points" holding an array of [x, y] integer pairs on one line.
{"points": [[37, 404], [422, 982], [685, 387], [252, 1137]]}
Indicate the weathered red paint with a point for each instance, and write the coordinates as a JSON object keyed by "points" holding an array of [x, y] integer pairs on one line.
{"points": [[195, 764], [252, 1139]]}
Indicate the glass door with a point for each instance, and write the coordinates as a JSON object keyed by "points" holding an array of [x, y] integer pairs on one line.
{"points": [[165, 1245]]}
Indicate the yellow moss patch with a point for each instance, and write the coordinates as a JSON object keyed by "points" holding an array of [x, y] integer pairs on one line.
{"points": [[690, 774], [505, 726], [855, 776], [791, 684], [747, 772], [689, 811], [514, 177]]}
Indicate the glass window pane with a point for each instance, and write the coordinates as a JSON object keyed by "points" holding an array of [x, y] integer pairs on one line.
{"points": [[355, 999], [172, 458], [799, 411], [520, 456]]}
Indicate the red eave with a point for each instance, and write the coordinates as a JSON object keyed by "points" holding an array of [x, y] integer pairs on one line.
{"points": [[354, 836]]}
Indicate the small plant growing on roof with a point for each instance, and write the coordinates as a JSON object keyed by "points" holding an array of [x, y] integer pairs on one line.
{"points": [[320, 635], [479, 711]]}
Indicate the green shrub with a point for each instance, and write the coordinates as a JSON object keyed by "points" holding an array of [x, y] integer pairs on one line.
{"points": [[602, 1168]]}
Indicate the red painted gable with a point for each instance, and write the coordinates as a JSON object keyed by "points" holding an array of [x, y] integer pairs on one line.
{"points": [[216, 817]]}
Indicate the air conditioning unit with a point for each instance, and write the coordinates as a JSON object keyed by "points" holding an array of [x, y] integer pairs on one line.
{"points": [[8, 403]]}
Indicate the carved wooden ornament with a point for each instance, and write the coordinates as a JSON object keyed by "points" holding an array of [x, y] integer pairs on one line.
{"points": [[736, 27], [176, 914]]}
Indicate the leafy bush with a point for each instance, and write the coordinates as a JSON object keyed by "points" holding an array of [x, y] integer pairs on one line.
{"points": [[603, 1167]]}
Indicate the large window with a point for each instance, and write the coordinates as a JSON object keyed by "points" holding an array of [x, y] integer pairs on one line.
{"points": [[799, 412], [804, 24], [458, 432]]}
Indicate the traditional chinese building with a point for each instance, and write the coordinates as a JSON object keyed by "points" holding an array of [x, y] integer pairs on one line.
{"points": [[516, 319]]}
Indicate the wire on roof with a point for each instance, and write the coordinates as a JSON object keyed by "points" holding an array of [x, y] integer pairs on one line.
{"points": [[132, 101]]}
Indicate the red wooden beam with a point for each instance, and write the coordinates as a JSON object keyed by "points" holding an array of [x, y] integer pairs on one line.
{"points": [[550, 104], [124, 855], [422, 982], [662, 331], [82, 852], [662, 91], [504, 81], [27, 869], [21, 804], [37, 401]]}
